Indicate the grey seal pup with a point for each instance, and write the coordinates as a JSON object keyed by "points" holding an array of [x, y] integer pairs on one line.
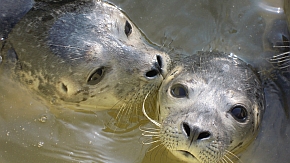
{"points": [[83, 54], [209, 108]]}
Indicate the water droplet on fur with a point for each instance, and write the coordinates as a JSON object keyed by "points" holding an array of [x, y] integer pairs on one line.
{"points": [[2, 39], [7, 134], [40, 144]]}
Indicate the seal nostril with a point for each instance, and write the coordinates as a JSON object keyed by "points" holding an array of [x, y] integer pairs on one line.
{"points": [[194, 133], [186, 128], [203, 135], [159, 61], [152, 73], [64, 87]]}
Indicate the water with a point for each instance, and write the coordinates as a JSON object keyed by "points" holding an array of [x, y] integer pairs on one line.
{"points": [[29, 128], [32, 132]]}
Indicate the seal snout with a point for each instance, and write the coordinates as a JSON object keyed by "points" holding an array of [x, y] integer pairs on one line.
{"points": [[151, 74], [194, 133]]}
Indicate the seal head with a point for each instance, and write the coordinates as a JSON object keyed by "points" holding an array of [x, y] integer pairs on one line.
{"points": [[210, 108], [84, 53]]}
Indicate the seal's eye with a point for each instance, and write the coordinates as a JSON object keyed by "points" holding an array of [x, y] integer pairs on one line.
{"points": [[179, 91], [239, 112], [128, 28], [96, 76]]}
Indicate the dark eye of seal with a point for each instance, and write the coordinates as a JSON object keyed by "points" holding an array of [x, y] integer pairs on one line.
{"points": [[179, 91], [128, 28], [96, 76], [239, 112]]}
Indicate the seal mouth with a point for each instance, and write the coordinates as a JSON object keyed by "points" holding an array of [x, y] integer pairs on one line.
{"points": [[186, 153]]}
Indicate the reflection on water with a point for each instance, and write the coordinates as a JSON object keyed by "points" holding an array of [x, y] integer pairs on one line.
{"points": [[32, 132]]}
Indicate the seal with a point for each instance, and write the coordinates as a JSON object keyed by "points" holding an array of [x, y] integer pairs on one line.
{"points": [[209, 108], [84, 54]]}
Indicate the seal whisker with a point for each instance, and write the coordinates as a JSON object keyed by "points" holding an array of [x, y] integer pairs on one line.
{"points": [[226, 157], [275, 57], [152, 142], [153, 148], [150, 132], [283, 67], [144, 112], [130, 110], [120, 112], [163, 44], [145, 133], [125, 108], [134, 101], [280, 60], [155, 134], [163, 152], [223, 160], [163, 41], [232, 154], [145, 129]]}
